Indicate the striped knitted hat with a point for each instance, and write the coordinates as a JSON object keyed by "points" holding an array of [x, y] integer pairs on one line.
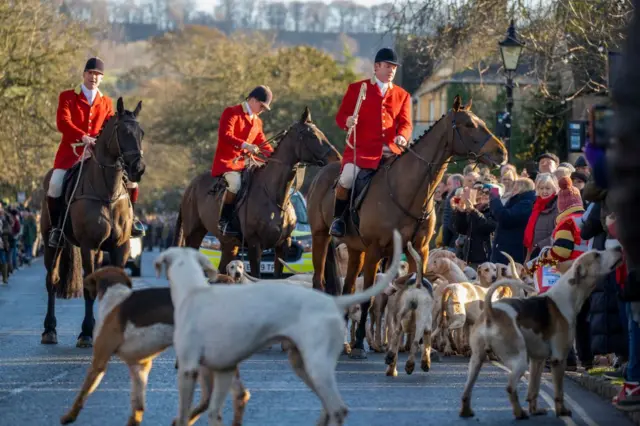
{"points": [[569, 195]]}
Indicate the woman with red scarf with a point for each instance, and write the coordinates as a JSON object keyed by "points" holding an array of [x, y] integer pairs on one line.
{"points": [[542, 221]]}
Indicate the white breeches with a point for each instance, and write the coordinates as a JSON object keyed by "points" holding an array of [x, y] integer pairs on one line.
{"points": [[131, 185], [233, 181], [55, 183], [347, 176]]}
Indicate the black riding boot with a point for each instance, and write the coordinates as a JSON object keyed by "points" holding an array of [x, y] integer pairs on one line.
{"points": [[55, 234], [338, 226], [225, 225]]}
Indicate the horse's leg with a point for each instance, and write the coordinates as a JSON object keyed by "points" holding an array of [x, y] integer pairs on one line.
{"points": [[194, 239], [281, 250], [354, 267], [85, 339], [371, 262], [319, 249], [51, 261], [255, 254]]}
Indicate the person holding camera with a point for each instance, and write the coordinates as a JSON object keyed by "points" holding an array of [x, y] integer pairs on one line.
{"points": [[474, 224], [512, 218]]}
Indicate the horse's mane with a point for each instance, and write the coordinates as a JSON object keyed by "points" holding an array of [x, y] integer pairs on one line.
{"points": [[422, 136]]}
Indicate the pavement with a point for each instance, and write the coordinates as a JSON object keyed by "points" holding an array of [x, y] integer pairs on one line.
{"points": [[39, 382]]}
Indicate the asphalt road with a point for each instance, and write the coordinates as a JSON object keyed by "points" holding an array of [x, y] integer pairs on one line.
{"points": [[38, 383]]}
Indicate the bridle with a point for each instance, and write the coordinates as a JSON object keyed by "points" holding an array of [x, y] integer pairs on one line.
{"points": [[120, 161], [429, 170]]}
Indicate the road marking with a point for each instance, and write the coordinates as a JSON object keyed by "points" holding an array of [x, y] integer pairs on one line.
{"points": [[547, 398], [30, 386]]}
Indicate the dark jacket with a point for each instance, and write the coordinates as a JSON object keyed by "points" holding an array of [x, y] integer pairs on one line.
{"points": [[592, 227], [512, 218], [477, 226], [608, 333], [448, 234]]}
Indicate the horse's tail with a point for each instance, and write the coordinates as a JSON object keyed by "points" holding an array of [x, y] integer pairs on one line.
{"points": [[331, 276], [178, 237], [70, 284]]}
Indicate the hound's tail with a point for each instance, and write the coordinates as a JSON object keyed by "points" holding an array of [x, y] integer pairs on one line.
{"points": [[344, 302], [512, 265], [513, 284]]}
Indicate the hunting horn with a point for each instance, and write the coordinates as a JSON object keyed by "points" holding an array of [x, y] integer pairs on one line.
{"points": [[361, 97]]}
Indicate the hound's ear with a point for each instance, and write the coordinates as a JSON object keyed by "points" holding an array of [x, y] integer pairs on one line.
{"points": [[579, 274], [91, 285], [163, 259], [209, 270]]}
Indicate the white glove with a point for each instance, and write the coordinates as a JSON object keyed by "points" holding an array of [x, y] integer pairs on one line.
{"points": [[352, 121], [254, 149], [400, 141], [88, 140]]}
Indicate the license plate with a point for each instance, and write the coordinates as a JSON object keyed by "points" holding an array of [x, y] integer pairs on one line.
{"points": [[265, 267]]}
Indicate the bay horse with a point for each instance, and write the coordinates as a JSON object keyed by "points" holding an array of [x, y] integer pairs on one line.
{"points": [[99, 217], [400, 196], [265, 219]]}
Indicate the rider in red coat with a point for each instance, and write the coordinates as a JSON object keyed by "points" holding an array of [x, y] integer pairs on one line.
{"points": [[240, 131], [80, 116], [382, 127]]}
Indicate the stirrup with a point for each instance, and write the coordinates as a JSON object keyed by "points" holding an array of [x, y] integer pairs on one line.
{"points": [[226, 229], [137, 230], [338, 227], [55, 238]]}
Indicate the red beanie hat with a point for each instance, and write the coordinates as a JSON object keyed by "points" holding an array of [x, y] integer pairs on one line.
{"points": [[569, 195]]}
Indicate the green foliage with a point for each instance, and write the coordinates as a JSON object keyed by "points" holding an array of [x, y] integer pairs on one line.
{"points": [[42, 53], [201, 72]]}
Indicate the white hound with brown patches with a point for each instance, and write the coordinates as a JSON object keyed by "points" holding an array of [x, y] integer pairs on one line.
{"points": [[525, 332], [209, 319]]}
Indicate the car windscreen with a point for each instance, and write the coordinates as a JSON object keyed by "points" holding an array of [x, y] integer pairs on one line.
{"points": [[301, 210]]}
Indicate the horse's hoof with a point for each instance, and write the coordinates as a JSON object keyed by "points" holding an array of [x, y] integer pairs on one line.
{"points": [[49, 338], [347, 349], [409, 367], [84, 342], [466, 412], [66, 419], [357, 353]]}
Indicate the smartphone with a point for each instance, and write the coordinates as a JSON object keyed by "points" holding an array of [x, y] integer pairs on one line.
{"points": [[600, 125]]}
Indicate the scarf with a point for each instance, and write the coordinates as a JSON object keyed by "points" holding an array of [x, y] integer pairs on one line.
{"points": [[538, 207]]}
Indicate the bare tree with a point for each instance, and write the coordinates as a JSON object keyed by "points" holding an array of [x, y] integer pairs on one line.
{"points": [[316, 16], [296, 9], [276, 14]]}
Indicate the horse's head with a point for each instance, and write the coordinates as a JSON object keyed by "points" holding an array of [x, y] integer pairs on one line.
{"points": [[472, 138], [310, 144], [128, 138]]}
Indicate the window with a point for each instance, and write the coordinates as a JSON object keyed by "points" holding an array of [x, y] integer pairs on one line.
{"points": [[299, 207], [432, 110]]}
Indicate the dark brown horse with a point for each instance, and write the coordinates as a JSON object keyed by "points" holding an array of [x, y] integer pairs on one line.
{"points": [[99, 217], [400, 196], [265, 219]]}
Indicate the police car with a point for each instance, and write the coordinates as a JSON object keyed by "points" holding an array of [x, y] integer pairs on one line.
{"points": [[298, 255]]}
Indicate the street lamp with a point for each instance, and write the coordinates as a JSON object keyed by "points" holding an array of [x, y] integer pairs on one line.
{"points": [[510, 50]]}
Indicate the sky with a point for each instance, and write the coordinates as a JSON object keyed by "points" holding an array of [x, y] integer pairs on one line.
{"points": [[207, 5]]}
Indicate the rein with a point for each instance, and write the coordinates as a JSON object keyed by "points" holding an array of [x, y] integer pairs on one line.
{"points": [[428, 174]]}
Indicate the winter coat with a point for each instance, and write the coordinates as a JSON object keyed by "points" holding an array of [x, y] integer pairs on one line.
{"points": [[477, 225], [608, 333], [512, 219]]}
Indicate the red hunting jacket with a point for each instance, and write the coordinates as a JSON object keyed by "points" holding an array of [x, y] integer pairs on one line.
{"points": [[235, 128], [76, 118], [380, 120]]}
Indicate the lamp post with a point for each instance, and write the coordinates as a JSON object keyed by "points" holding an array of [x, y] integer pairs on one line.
{"points": [[510, 50]]}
